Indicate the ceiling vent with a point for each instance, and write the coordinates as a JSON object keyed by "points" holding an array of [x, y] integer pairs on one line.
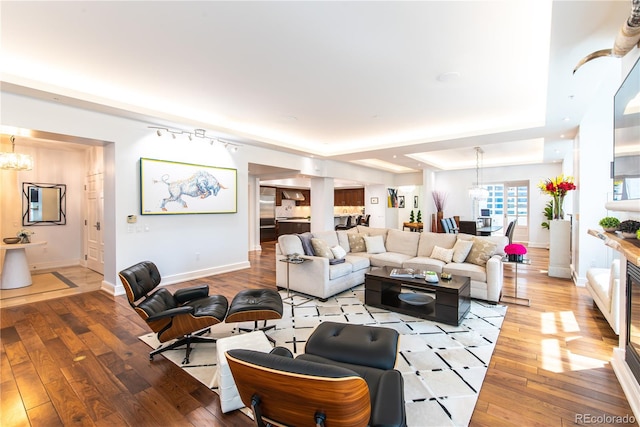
{"points": [[292, 195]]}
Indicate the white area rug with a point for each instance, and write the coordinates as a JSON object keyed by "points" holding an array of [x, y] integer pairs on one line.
{"points": [[443, 366]]}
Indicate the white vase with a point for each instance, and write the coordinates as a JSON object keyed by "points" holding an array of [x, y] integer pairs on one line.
{"points": [[560, 249]]}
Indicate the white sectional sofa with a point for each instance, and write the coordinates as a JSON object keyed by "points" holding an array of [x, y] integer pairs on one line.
{"points": [[479, 258]]}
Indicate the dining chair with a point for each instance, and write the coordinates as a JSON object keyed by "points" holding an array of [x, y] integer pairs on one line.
{"points": [[449, 225]]}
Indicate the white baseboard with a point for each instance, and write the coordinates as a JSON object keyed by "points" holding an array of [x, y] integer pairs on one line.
{"points": [[117, 290]]}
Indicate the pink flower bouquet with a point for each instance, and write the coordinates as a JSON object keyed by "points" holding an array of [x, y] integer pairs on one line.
{"points": [[515, 252]]}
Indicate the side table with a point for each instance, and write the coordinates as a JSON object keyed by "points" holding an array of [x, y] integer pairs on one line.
{"points": [[514, 298], [15, 271], [229, 398], [290, 261]]}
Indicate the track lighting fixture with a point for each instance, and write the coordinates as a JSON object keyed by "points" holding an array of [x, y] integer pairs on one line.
{"points": [[198, 133]]}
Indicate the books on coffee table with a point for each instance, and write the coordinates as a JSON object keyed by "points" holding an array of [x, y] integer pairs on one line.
{"points": [[403, 272]]}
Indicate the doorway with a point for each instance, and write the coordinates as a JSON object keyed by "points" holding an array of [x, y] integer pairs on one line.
{"points": [[509, 201], [94, 194]]}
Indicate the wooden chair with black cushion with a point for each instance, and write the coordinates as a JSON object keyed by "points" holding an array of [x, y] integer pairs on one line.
{"points": [[449, 225], [349, 382], [183, 316], [346, 226]]}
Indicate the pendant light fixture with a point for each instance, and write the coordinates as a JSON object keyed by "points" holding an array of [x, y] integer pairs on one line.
{"points": [[477, 191], [15, 161]]}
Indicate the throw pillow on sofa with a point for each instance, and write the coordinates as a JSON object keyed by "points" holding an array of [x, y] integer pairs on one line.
{"points": [[442, 254], [321, 248], [338, 252], [481, 251], [374, 244], [461, 250], [356, 242]]}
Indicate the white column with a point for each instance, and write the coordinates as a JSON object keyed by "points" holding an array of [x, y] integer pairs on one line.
{"points": [[560, 249], [321, 204]]}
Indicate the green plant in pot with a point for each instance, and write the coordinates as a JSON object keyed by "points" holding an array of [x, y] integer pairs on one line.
{"points": [[609, 223], [629, 228]]}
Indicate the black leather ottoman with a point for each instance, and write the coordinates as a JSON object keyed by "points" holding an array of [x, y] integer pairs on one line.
{"points": [[254, 305]]}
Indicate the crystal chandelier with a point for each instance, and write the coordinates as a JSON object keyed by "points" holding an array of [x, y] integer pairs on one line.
{"points": [[478, 192], [15, 161]]}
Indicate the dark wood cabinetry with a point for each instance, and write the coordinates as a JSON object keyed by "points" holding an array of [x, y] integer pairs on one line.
{"points": [[348, 197]]}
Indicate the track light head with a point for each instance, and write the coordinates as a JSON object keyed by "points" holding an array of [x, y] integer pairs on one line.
{"points": [[159, 132]]}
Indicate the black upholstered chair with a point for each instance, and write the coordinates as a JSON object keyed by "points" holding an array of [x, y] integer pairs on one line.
{"points": [[345, 378], [469, 227], [185, 315], [346, 226]]}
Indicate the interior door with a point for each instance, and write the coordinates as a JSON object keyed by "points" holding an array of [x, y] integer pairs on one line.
{"points": [[509, 201], [94, 254], [517, 209]]}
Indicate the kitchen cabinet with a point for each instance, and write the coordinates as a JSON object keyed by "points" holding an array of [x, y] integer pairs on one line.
{"points": [[348, 197]]}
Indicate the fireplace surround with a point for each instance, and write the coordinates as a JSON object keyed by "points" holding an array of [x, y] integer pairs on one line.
{"points": [[632, 353]]}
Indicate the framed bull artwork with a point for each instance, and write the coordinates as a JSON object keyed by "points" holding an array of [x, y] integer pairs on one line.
{"points": [[169, 188]]}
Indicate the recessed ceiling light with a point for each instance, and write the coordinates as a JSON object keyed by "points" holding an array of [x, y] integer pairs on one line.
{"points": [[566, 119], [562, 136], [448, 76]]}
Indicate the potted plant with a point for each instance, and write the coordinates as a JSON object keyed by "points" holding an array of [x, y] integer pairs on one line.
{"points": [[609, 223], [629, 228]]}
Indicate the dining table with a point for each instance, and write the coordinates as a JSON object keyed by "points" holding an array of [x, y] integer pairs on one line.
{"points": [[487, 231]]}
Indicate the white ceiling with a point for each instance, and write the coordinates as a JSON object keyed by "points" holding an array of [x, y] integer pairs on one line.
{"points": [[414, 84]]}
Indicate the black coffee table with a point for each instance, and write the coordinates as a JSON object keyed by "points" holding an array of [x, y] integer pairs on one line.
{"points": [[452, 297]]}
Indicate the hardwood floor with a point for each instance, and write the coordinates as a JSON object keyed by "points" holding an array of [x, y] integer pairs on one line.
{"points": [[77, 360]]}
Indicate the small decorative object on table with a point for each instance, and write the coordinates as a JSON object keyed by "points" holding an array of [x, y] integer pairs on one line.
{"points": [[515, 252], [445, 276], [609, 223], [25, 235], [11, 240], [629, 228]]}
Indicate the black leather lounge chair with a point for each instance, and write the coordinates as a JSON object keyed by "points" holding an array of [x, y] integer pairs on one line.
{"points": [[185, 315], [344, 379]]}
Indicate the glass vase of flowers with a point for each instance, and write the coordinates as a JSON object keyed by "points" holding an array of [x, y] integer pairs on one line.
{"points": [[557, 188]]}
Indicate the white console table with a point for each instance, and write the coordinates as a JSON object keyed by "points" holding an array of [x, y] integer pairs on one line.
{"points": [[15, 270]]}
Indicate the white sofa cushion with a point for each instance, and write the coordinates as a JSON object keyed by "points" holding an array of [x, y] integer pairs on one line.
{"points": [[402, 242], [374, 244], [290, 244], [424, 263], [369, 231], [328, 236], [475, 272], [358, 262], [499, 241], [339, 270], [338, 252], [442, 254], [343, 240], [428, 240], [391, 259], [461, 249]]}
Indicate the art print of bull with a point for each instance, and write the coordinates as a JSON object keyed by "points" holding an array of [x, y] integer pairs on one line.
{"points": [[201, 184]]}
